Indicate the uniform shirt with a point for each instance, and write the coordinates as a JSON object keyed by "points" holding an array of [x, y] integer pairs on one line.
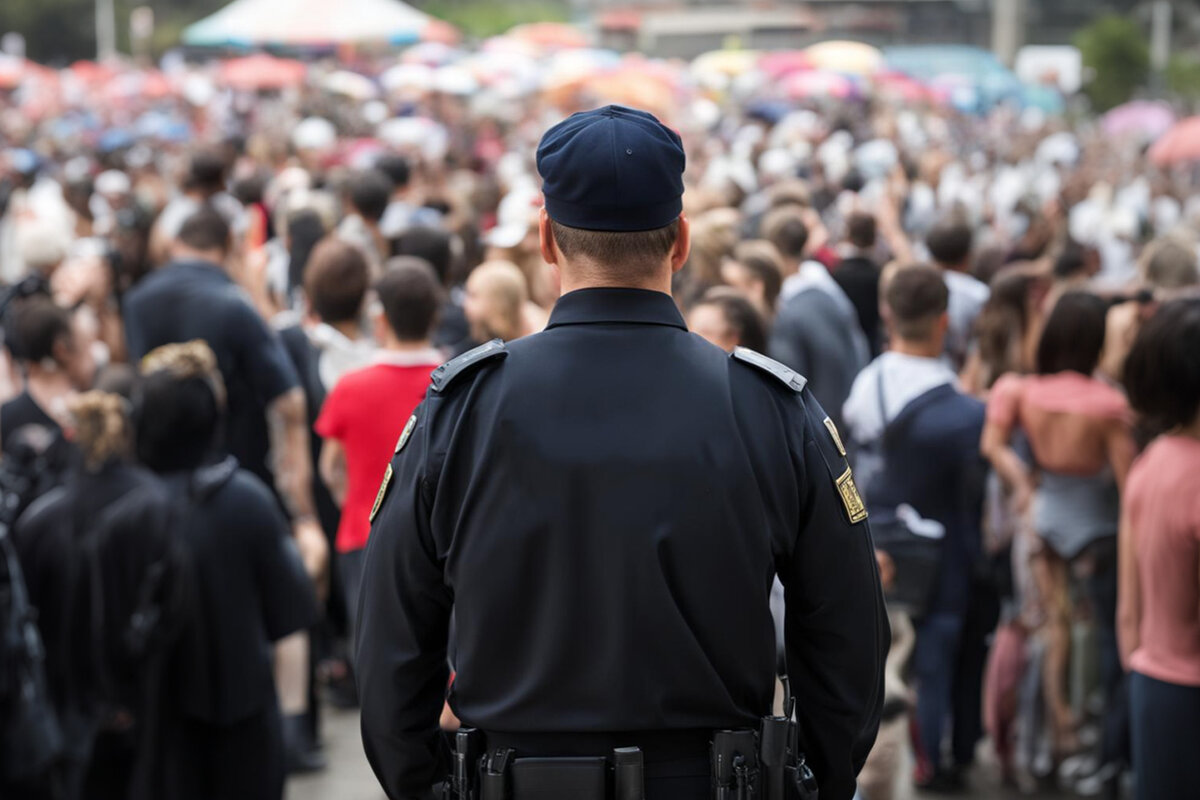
{"points": [[366, 412], [197, 300], [605, 508]]}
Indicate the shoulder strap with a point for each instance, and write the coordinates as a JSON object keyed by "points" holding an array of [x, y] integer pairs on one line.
{"points": [[785, 375], [445, 375]]}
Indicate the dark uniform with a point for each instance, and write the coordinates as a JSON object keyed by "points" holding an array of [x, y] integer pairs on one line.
{"points": [[603, 506]]}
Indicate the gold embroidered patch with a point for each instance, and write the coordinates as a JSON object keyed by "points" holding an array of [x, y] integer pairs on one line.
{"points": [[855, 509], [406, 434], [383, 487], [837, 439]]}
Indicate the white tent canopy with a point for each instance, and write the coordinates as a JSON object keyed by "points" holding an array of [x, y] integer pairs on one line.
{"points": [[309, 23]]}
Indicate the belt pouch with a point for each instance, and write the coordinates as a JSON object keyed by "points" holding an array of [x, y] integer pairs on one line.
{"points": [[557, 778]]}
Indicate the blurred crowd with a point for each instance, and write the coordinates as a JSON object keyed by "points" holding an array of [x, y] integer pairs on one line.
{"points": [[224, 333]]}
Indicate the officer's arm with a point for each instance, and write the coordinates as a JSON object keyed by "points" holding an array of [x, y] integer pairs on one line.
{"points": [[836, 628], [404, 612]]}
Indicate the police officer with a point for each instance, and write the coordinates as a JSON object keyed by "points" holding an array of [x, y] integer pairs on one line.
{"points": [[604, 506]]}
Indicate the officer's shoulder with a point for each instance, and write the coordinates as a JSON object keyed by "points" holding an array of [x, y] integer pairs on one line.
{"points": [[771, 368], [457, 368]]}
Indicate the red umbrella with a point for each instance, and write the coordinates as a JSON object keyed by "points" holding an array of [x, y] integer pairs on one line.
{"points": [[1181, 143], [256, 72]]}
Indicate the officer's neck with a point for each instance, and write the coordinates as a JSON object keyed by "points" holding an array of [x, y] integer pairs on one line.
{"points": [[588, 276]]}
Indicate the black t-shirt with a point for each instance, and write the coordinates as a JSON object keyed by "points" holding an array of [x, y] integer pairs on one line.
{"points": [[859, 279], [251, 590], [197, 300]]}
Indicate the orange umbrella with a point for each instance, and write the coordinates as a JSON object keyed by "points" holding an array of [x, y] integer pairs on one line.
{"points": [[549, 35], [256, 72], [1179, 144]]}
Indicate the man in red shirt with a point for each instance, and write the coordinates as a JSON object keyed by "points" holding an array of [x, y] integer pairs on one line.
{"points": [[366, 412]]}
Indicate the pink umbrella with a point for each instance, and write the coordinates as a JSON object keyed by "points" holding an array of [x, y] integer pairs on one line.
{"points": [[1178, 145], [784, 62], [801, 85], [1143, 119]]}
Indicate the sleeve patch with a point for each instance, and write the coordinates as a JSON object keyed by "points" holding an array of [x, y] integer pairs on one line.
{"points": [[856, 511]]}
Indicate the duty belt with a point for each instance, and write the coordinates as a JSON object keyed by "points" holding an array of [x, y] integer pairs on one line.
{"points": [[746, 764]]}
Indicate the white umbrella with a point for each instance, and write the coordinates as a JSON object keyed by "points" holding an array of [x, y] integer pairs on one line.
{"points": [[350, 84], [412, 77]]}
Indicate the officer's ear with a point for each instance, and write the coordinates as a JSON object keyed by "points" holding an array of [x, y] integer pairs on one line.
{"points": [[683, 244], [546, 238]]}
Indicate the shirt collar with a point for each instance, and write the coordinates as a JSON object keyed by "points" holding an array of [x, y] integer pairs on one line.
{"points": [[587, 306]]}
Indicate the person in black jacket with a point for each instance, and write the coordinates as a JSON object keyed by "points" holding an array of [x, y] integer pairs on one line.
{"points": [[108, 579], [251, 587]]}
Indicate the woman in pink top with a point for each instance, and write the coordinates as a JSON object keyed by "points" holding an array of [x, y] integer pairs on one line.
{"points": [[1080, 447], [1159, 606]]}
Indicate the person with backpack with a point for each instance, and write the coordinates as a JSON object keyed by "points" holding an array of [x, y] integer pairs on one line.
{"points": [[106, 576], [906, 408], [252, 588]]}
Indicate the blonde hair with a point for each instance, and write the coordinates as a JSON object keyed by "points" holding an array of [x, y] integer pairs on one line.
{"points": [[504, 285], [102, 427], [194, 359]]}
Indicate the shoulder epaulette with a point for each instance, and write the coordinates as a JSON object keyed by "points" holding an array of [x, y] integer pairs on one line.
{"points": [[444, 375], [786, 375]]}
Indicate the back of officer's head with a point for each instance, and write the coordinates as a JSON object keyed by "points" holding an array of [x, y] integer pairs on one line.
{"points": [[411, 296], [915, 300], [613, 187], [180, 405]]}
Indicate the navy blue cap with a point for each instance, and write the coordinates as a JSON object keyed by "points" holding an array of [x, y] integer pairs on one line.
{"points": [[612, 169]]}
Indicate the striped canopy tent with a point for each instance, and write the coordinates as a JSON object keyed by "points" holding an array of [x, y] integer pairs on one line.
{"points": [[313, 23]]}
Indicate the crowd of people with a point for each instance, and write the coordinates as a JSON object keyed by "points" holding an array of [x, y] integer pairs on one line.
{"points": [[212, 348]]}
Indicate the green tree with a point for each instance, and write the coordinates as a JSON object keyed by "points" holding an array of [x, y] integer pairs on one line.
{"points": [[1114, 48], [1183, 77]]}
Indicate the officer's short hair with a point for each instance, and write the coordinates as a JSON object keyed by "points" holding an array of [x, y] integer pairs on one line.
{"points": [[411, 296], [740, 314], [205, 231], [370, 193], [624, 251], [784, 227], [916, 296], [336, 280]]}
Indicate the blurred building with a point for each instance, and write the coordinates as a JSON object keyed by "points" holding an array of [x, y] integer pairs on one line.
{"points": [[688, 27]]}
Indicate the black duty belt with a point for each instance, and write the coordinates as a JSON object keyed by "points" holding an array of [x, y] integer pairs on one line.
{"points": [[746, 764]]}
